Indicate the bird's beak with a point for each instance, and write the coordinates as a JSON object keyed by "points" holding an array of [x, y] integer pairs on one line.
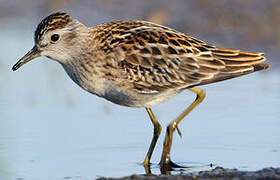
{"points": [[32, 54]]}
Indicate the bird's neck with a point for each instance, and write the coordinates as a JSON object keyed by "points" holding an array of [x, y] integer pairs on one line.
{"points": [[86, 72]]}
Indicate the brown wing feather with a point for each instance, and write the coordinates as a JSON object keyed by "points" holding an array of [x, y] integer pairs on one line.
{"points": [[156, 58], [237, 63]]}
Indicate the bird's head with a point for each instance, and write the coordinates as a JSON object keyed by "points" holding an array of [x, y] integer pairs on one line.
{"points": [[54, 38]]}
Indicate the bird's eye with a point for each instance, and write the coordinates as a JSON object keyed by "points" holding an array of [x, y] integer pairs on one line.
{"points": [[54, 37]]}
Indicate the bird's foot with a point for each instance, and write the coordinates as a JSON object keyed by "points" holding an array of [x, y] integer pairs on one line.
{"points": [[169, 166]]}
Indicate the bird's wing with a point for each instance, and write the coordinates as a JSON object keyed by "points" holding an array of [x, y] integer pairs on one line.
{"points": [[156, 58]]}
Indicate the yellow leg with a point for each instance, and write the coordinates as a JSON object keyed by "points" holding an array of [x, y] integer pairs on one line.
{"points": [[157, 130], [165, 161]]}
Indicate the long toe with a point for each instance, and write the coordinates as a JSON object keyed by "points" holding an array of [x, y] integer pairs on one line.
{"points": [[174, 165], [166, 168]]}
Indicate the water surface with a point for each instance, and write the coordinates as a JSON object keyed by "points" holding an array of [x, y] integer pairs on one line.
{"points": [[51, 129]]}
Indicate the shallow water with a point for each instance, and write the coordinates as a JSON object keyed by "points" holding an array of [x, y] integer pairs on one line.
{"points": [[51, 129]]}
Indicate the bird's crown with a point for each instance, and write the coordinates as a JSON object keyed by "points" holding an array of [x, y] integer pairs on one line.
{"points": [[54, 21]]}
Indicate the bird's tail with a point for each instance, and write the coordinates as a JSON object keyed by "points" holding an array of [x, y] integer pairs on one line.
{"points": [[237, 63]]}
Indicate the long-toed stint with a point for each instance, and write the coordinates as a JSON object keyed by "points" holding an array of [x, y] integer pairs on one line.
{"points": [[138, 64]]}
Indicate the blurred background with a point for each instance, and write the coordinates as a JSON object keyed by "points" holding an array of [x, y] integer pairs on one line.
{"points": [[250, 24], [51, 129]]}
